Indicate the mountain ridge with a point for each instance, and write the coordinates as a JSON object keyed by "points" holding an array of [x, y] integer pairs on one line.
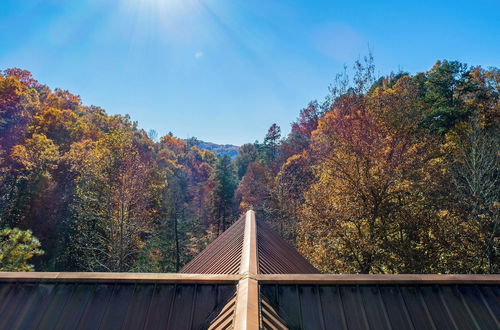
{"points": [[218, 149]]}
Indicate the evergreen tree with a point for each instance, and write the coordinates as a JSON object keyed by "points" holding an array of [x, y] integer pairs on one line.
{"points": [[16, 248], [221, 198]]}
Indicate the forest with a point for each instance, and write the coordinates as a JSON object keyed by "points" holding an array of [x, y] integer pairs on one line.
{"points": [[391, 174]]}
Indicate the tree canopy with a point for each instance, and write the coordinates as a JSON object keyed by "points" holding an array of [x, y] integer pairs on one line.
{"points": [[392, 174]]}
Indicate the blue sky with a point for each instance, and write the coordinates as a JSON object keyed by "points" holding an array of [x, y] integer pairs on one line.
{"points": [[225, 70]]}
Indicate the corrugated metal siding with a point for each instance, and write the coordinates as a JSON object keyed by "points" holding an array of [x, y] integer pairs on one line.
{"points": [[37, 305], [223, 255], [385, 306], [276, 256]]}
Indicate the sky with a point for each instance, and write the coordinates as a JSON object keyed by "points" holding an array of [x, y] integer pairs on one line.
{"points": [[225, 70]]}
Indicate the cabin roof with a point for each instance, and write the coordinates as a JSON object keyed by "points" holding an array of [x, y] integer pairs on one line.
{"points": [[248, 278]]}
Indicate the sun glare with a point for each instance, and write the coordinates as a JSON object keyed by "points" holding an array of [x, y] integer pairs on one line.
{"points": [[163, 6], [173, 19]]}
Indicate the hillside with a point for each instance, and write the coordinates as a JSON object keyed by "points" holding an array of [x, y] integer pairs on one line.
{"points": [[219, 149], [376, 179]]}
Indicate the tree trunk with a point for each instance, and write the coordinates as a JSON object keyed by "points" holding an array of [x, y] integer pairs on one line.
{"points": [[177, 248]]}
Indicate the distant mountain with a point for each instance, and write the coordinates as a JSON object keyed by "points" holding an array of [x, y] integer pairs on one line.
{"points": [[219, 149]]}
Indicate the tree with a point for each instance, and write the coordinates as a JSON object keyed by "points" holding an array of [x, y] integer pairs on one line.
{"points": [[247, 154], [23, 76], [300, 135], [474, 169], [271, 144], [17, 247], [292, 181], [113, 205], [444, 84], [29, 179], [221, 200], [364, 177], [18, 104], [253, 190]]}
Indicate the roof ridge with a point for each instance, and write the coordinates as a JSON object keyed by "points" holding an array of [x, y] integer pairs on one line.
{"points": [[250, 245]]}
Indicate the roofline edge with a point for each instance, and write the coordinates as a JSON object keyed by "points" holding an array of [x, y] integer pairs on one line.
{"points": [[123, 277]]}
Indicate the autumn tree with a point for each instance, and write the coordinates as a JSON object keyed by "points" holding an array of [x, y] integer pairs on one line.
{"points": [[388, 196], [184, 225], [113, 205], [253, 190], [291, 182], [364, 173], [29, 179], [18, 104]]}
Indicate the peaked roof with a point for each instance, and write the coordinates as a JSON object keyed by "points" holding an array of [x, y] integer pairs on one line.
{"points": [[245, 280], [252, 241]]}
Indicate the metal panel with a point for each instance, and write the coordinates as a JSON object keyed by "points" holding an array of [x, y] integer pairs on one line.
{"points": [[289, 305], [353, 307], [333, 316], [113, 305], [139, 307], [55, 305], [420, 316], [19, 298], [224, 318], [399, 316], [116, 311], [96, 307], [456, 307], [374, 306], [491, 295], [160, 306], [182, 308], [223, 255], [29, 315], [478, 309], [390, 279], [269, 318], [276, 256], [206, 299], [310, 306], [74, 308]]}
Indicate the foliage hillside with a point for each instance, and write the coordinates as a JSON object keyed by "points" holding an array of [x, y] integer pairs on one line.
{"points": [[392, 174]]}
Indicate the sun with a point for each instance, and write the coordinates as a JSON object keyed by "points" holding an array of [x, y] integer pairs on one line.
{"points": [[165, 20], [162, 6]]}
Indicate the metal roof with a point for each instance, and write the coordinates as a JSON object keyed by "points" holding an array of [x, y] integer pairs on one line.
{"points": [[111, 304], [223, 255], [273, 254], [254, 287], [396, 306], [276, 256]]}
